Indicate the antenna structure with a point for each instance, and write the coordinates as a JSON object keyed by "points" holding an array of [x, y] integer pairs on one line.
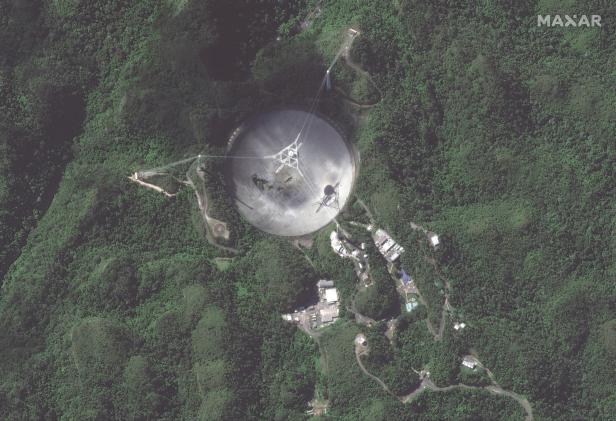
{"points": [[288, 156]]}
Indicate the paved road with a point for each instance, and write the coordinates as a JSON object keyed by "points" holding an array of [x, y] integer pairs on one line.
{"points": [[358, 353], [426, 383], [497, 389]]}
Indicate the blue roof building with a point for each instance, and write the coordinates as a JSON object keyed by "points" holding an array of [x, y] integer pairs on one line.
{"points": [[405, 277]]}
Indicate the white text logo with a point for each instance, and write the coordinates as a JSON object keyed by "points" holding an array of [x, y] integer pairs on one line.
{"points": [[567, 20]]}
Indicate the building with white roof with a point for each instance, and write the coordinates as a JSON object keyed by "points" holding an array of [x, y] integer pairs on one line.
{"points": [[434, 241], [387, 246], [331, 295], [337, 245], [469, 361]]}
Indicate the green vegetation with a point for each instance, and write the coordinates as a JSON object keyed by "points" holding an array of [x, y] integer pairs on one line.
{"points": [[111, 309], [397, 373], [491, 131], [380, 300], [280, 275], [497, 131], [465, 405], [474, 377], [351, 393], [412, 349], [428, 281], [222, 263]]}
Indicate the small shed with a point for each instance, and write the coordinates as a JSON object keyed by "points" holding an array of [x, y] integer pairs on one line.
{"points": [[469, 361], [434, 240]]}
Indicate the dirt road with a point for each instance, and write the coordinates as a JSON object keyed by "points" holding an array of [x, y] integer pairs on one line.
{"points": [[346, 56]]}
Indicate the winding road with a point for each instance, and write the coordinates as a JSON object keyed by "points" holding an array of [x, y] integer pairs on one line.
{"points": [[426, 383], [358, 353], [346, 55]]}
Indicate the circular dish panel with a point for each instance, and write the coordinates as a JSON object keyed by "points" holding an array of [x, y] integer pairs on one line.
{"points": [[298, 197]]}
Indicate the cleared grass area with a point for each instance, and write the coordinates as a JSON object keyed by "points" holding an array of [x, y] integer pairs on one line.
{"points": [[474, 220], [223, 263]]}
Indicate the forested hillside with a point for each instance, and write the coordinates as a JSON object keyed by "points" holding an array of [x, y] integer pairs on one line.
{"points": [[496, 133]]}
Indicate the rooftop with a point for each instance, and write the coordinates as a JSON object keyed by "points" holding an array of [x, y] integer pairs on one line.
{"points": [[328, 314], [323, 283], [411, 305], [387, 246], [434, 240], [405, 277], [331, 295], [469, 361]]}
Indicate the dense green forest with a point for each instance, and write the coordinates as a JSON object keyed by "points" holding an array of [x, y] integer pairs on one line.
{"points": [[494, 132]]}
